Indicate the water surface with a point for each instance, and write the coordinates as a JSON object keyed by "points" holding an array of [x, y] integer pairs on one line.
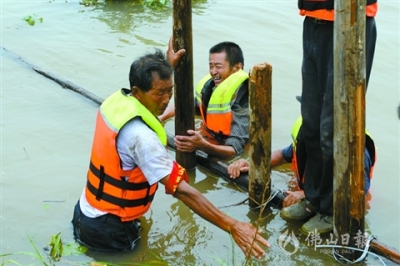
{"points": [[47, 131]]}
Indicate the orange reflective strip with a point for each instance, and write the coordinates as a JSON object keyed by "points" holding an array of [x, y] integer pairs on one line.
{"points": [[319, 14], [371, 10]]}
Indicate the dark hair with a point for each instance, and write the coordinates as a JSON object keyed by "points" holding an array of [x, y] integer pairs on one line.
{"points": [[233, 52], [143, 69]]}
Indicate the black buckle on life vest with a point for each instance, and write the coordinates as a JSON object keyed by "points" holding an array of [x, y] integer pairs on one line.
{"points": [[104, 178], [99, 193], [220, 137], [123, 203], [117, 183], [146, 199]]}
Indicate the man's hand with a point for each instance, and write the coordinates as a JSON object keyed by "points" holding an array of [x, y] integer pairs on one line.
{"points": [[194, 141], [237, 167], [293, 197], [248, 238], [173, 57], [245, 235]]}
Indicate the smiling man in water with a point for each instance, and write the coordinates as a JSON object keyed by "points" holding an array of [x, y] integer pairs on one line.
{"points": [[222, 101]]}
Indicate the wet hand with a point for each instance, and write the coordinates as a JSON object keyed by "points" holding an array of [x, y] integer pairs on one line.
{"points": [[248, 238], [292, 197], [194, 141], [172, 56], [237, 167]]}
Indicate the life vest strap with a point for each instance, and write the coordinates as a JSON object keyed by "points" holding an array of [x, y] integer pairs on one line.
{"points": [[220, 137], [116, 183], [118, 201], [99, 193]]}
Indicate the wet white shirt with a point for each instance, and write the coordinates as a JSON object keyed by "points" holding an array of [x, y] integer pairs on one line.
{"points": [[137, 145]]}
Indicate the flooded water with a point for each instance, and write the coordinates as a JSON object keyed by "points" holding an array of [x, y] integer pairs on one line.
{"points": [[46, 131]]}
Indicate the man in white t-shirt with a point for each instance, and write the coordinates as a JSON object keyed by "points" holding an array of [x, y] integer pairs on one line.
{"points": [[129, 159]]}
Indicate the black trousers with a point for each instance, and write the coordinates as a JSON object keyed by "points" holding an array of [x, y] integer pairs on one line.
{"points": [[317, 106], [105, 233]]}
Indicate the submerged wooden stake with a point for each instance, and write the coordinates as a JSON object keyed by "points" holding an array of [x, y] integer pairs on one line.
{"points": [[349, 123], [260, 87], [184, 93]]}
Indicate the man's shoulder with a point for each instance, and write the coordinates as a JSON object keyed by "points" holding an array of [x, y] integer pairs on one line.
{"points": [[136, 127]]}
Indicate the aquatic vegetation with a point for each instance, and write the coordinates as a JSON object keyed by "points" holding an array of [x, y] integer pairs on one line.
{"points": [[31, 19], [36, 254], [57, 250], [151, 3]]}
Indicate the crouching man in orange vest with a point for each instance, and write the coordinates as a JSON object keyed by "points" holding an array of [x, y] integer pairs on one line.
{"points": [[128, 160]]}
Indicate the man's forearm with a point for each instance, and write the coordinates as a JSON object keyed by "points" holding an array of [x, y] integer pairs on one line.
{"points": [[203, 207], [219, 151]]}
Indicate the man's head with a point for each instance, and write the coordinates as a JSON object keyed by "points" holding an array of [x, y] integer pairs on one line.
{"points": [[225, 59], [151, 82]]}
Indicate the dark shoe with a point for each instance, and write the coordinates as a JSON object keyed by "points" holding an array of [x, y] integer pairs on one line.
{"points": [[298, 212], [319, 224]]}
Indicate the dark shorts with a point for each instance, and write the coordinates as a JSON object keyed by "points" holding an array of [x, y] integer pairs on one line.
{"points": [[105, 233]]}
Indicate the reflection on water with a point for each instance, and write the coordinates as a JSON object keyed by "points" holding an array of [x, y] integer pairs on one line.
{"points": [[127, 16]]}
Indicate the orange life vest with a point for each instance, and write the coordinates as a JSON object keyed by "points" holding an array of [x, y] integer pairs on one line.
{"points": [[299, 171], [324, 9], [217, 115], [126, 194], [295, 165]]}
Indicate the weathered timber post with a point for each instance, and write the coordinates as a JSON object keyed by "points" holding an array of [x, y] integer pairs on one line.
{"points": [[349, 123], [184, 94], [260, 87]]}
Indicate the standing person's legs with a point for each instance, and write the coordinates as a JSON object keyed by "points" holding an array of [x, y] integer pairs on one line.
{"points": [[311, 104], [317, 112], [323, 221], [326, 185], [370, 41], [311, 100]]}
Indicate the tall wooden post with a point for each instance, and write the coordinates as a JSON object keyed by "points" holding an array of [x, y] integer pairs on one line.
{"points": [[349, 123], [184, 93], [260, 87]]}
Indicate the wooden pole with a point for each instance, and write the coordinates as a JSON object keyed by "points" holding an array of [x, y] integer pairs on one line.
{"points": [[260, 87], [184, 93], [349, 123], [388, 252]]}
